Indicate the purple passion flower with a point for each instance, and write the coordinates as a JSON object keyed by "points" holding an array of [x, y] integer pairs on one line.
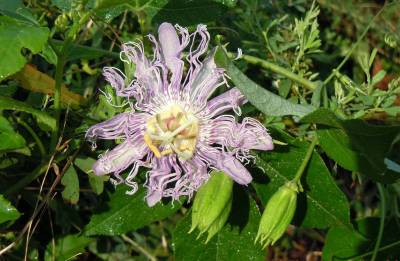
{"points": [[173, 127]]}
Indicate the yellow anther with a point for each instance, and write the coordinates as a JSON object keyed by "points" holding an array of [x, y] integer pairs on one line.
{"points": [[149, 143], [173, 130], [167, 152]]}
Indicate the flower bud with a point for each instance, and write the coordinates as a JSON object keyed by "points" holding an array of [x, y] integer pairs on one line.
{"points": [[277, 214], [62, 22], [212, 204]]}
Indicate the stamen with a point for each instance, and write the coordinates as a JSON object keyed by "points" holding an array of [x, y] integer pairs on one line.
{"points": [[172, 131]]}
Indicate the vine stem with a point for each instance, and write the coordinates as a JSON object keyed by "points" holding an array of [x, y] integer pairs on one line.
{"points": [[34, 136], [306, 159], [280, 70], [354, 46], [61, 60], [138, 247], [382, 196]]}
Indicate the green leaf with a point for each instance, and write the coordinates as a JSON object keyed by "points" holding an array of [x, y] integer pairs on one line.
{"points": [[344, 244], [355, 144], [43, 118], [13, 37], [322, 204], [76, 51], [7, 211], [188, 13], [264, 100], [71, 182], [337, 145], [96, 182], [146, 9], [67, 248], [17, 10], [235, 241], [65, 5], [127, 213], [10, 140]]}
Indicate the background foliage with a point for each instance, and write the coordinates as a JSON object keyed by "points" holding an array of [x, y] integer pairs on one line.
{"points": [[326, 68]]}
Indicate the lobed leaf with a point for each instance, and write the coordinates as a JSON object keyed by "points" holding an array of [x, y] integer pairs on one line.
{"points": [[356, 145], [14, 36], [322, 204], [7, 211], [358, 244], [264, 100], [67, 248], [43, 118], [10, 139], [71, 182], [235, 241], [126, 213]]}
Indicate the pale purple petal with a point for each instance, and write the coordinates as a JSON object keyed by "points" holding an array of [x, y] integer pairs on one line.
{"points": [[148, 76], [229, 165], [120, 158], [170, 44], [208, 79], [229, 100], [171, 49], [156, 178], [123, 125], [153, 197], [250, 134], [113, 128]]}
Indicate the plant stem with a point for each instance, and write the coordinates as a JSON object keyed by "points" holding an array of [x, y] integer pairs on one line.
{"points": [[57, 91], [380, 249], [61, 60], [280, 70], [306, 159], [327, 80], [138, 247], [382, 196], [34, 136]]}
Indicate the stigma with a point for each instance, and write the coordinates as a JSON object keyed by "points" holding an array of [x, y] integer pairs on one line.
{"points": [[172, 130]]}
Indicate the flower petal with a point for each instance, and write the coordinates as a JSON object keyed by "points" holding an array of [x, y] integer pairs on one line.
{"points": [[113, 128], [161, 168], [148, 76], [250, 134], [204, 80], [120, 158], [124, 125], [171, 49], [169, 41], [231, 166], [153, 197], [229, 100]]}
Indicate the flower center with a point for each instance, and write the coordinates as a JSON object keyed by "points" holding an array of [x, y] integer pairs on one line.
{"points": [[172, 131]]}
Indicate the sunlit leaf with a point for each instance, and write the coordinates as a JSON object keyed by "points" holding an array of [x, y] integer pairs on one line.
{"points": [[264, 100], [356, 145], [322, 204], [10, 139], [188, 12], [67, 248], [125, 213], [7, 211], [42, 117], [345, 244], [235, 241], [71, 182], [13, 37], [96, 182]]}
